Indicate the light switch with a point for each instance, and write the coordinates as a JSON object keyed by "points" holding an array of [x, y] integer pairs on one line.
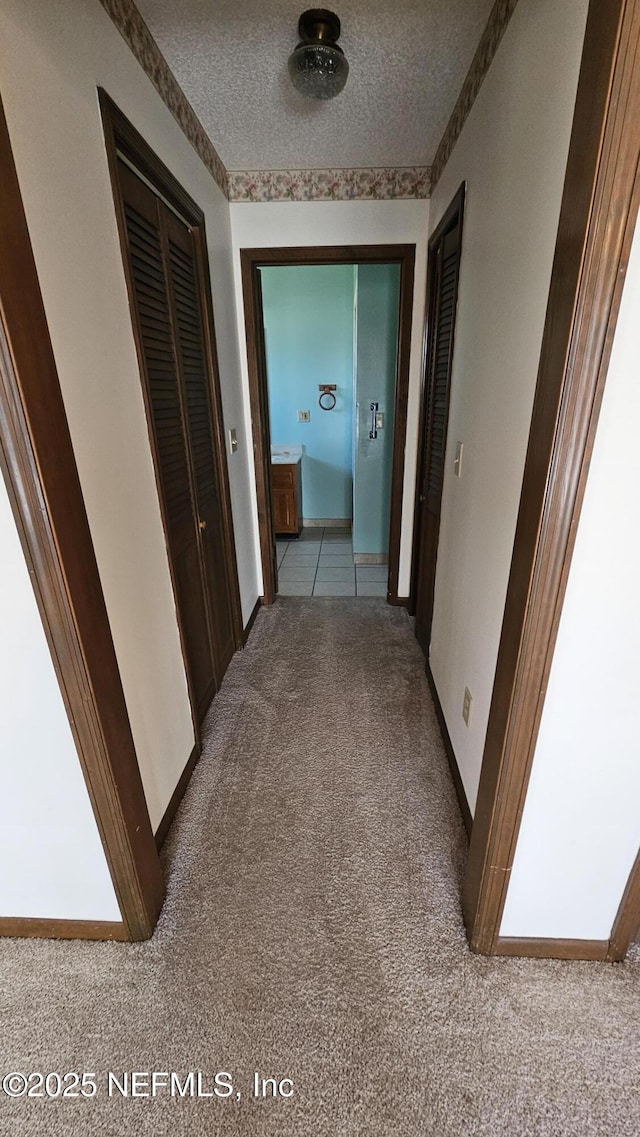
{"points": [[233, 441], [457, 465], [304, 416]]}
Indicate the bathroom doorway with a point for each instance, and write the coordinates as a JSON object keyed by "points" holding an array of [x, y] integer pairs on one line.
{"points": [[328, 333]]}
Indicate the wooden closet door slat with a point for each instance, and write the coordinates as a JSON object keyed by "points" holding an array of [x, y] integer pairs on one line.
{"points": [[158, 351], [442, 313], [197, 398]]}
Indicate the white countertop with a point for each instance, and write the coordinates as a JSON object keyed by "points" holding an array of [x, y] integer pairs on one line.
{"points": [[285, 455]]}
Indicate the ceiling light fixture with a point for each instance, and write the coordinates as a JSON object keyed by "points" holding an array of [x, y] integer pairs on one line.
{"points": [[317, 66]]}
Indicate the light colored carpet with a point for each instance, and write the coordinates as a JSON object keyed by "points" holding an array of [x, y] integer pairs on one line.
{"points": [[312, 931]]}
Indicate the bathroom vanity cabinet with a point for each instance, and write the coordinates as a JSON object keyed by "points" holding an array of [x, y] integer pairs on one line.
{"points": [[286, 497]]}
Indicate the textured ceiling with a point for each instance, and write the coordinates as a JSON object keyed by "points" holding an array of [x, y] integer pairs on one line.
{"points": [[408, 60]]}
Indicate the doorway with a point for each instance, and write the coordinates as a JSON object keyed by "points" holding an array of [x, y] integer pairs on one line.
{"points": [[331, 334], [330, 385]]}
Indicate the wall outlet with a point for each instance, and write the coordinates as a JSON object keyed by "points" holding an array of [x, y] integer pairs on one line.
{"points": [[304, 416], [466, 705]]}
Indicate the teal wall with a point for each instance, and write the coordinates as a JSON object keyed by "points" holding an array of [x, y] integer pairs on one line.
{"points": [[308, 322], [377, 307]]}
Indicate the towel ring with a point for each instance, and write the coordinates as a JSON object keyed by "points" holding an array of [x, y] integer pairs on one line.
{"points": [[327, 395], [327, 392]]}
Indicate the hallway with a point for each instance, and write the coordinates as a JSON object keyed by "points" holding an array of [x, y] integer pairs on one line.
{"points": [[312, 931]]}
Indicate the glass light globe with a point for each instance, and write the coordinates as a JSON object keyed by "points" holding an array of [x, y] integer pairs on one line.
{"points": [[317, 66]]}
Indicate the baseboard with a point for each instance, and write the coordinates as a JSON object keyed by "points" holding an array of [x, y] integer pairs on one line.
{"points": [[370, 559], [252, 619], [24, 927], [176, 798], [326, 522], [533, 948], [455, 773], [398, 601]]}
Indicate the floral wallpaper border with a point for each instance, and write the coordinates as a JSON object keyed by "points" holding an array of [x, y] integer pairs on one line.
{"points": [[135, 32], [496, 26], [373, 184]]}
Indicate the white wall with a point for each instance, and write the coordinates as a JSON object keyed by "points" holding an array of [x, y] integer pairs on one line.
{"points": [[512, 153], [51, 856], [580, 829], [273, 224], [52, 59]]}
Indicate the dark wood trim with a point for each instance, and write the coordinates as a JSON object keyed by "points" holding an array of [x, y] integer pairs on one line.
{"points": [[597, 221], [450, 752], [398, 601], [253, 259], [24, 928], [122, 139], [39, 466], [627, 921], [176, 797], [329, 255], [532, 948], [454, 210], [252, 619]]}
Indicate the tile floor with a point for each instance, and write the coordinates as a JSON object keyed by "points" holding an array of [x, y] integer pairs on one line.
{"points": [[320, 563]]}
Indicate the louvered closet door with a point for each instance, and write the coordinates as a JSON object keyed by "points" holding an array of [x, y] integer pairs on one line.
{"points": [[444, 292], [146, 239], [187, 313]]}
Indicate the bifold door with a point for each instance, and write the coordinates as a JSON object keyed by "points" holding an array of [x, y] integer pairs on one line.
{"points": [[444, 267], [164, 280]]}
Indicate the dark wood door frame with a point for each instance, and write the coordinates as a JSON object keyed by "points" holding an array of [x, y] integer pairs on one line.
{"points": [[597, 221], [251, 261], [123, 141], [38, 462]]}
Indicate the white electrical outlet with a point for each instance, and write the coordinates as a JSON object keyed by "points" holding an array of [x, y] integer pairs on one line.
{"points": [[304, 416], [466, 705]]}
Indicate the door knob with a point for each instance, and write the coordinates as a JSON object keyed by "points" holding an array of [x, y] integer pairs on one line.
{"points": [[202, 525]]}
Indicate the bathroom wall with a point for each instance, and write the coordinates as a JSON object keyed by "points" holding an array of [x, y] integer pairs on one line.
{"points": [[375, 357], [308, 321]]}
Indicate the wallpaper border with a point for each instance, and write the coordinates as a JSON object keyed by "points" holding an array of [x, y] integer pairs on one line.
{"points": [[135, 32], [496, 26], [372, 184]]}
